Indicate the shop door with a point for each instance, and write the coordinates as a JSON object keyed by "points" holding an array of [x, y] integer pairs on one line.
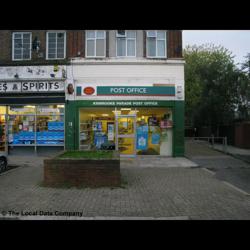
{"points": [[125, 135]]}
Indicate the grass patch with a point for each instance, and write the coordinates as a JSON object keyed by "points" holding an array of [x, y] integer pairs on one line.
{"points": [[87, 155]]}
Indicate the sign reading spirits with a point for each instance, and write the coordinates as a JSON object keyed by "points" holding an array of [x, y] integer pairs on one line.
{"points": [[32, 86]]}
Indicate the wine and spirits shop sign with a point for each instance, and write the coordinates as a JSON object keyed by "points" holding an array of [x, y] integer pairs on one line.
{"points": [[32, 86]]}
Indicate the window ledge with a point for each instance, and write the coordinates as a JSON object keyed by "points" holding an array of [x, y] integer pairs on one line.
{"points": [[136, 61]]}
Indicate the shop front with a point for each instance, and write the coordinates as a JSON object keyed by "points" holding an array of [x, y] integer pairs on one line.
{"points": [[132, 127], [26, 128], [136, 108], [32, 114]]}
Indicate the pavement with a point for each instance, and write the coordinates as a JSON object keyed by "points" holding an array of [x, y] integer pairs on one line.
{"points": [[239, 153], [226, 167], [162, 192], [156, 161]]}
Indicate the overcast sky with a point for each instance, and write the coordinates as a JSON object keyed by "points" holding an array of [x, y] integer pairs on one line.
{"points": [[236, 41]]}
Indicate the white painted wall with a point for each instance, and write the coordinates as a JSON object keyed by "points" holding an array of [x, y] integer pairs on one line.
{"points": [[32, 72], [126, 74]]}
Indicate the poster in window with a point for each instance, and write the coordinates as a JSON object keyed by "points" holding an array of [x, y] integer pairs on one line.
{"points": [[164, 136], [164, 124], [155, 138], [110, 131], [152, 121], [99, 126], [142, 138], [142, 141]]}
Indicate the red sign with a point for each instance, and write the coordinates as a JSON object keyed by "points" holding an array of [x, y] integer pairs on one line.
{"points": [[89, 91]]}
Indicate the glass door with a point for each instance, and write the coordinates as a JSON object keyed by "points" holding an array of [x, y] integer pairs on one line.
{"points": [[125, 135]]}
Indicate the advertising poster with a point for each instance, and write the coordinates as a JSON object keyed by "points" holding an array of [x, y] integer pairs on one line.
{"points": [[155, 138], [110, 132], [164, 136], [152, 121], [99, 126], [142, 138]]}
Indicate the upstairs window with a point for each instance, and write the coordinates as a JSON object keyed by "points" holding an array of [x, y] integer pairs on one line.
{"points": [[125, 43], [21, 46], [56, 45], [156, 44], [95, 43]]}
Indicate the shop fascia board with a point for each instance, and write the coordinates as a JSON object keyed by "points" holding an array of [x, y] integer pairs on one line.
{"points": [[125, 61], [31, 79]]}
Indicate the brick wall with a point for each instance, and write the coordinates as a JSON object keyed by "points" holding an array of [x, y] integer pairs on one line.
{"points": [[5, 46], [242, 135], [75, 46], [36, 58], [174, 44], [76, 43], [82, 173]]}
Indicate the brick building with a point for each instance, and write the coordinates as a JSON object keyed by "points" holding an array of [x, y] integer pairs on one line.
{"points": [[83, 89]]}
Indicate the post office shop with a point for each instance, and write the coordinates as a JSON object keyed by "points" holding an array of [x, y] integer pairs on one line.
{"points": [[130, 123], [32, 121], [130, 130]]}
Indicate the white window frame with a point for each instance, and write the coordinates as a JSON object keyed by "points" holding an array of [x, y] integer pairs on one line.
{"points": [[126, 43], [47, 44], [157, 39], [13, 46], [95, 38]]}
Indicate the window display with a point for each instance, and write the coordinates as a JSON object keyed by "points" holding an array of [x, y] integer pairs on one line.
{"points": [[150, 135], [21, 129], [50, 125], [159, 124], [33, 125], [96, 129]]}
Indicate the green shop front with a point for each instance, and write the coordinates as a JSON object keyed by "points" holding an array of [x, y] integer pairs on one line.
{"points": [[136, 120]]}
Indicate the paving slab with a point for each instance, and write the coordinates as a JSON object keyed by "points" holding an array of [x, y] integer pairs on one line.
{"points": [[157, 161], [147, 193]]}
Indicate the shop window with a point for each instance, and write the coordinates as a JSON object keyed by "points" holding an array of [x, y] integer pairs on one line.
{"points": [[142, 131], [154, 131], [125, 43], [96, 129], [50, 125], [36, 125], [21, 46], [156, 44], [21, 125], [56, 45], [95, 43]]}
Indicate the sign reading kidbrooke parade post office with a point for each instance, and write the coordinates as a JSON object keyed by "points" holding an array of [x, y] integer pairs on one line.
{"points": [[124, 103]]}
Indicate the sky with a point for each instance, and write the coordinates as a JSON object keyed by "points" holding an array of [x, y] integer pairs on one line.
{"points": [[236, 41]]}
